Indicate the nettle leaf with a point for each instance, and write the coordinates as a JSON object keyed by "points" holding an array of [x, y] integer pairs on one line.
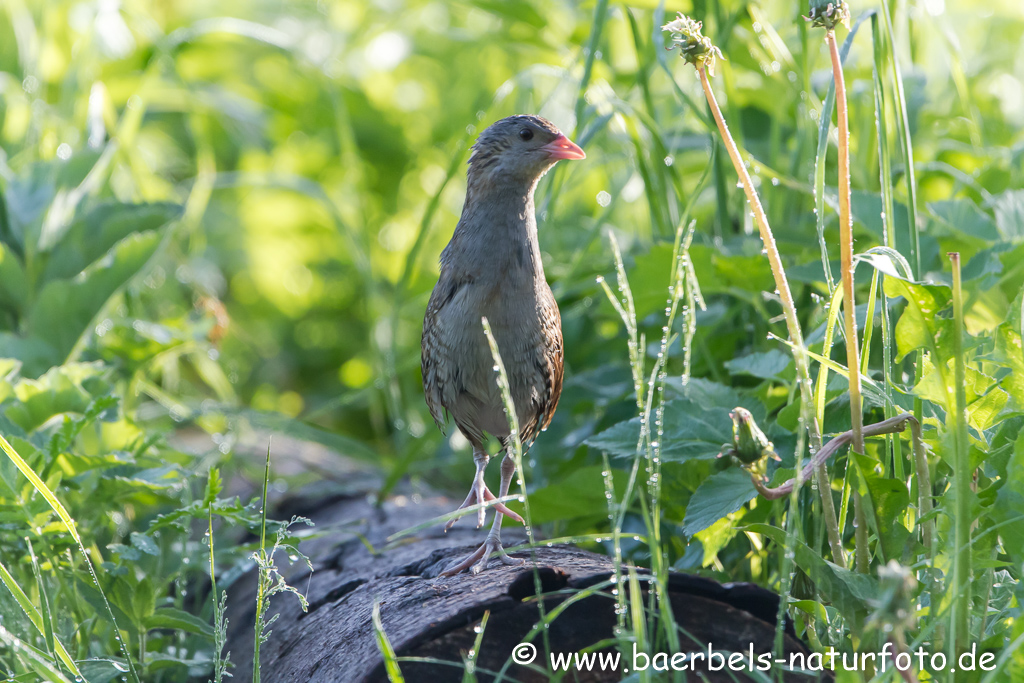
{"points": [[772, 365], [65, 309], [145, 543], [920, 326], [719, 495], [581, 494], [695, 426]]}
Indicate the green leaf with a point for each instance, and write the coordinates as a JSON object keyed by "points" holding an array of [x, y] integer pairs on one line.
{"points": [[920, 326], [1009, 209], [1008, 511], [95, 232], [1009, 351], [35, 354], [179, 620], [13, 282], [773, 364], [61, 390], [887, 499], [145, 543], [848, 591], [719, 495], [581, 494], [696, 426], [64, 312], [963, 217]]}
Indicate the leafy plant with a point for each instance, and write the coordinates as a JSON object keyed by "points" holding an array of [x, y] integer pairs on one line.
{"points": [[64, 255]]}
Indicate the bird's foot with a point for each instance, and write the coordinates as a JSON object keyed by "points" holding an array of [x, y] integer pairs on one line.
{"points": [[471, 499], [477, 561]]}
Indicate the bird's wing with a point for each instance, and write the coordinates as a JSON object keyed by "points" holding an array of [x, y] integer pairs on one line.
{"points": [[433, 361], [550, 361]]}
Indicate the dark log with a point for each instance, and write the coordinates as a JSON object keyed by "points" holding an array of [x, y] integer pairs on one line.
{"points": [[436, 618]]}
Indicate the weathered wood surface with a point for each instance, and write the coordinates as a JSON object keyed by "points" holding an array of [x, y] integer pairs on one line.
{"points": [[431, 617]]}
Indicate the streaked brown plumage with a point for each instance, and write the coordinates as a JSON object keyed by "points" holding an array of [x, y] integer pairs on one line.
{"points": [[492, 268]]}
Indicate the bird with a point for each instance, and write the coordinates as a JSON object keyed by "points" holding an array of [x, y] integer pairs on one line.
{"points": [[492, 269]]}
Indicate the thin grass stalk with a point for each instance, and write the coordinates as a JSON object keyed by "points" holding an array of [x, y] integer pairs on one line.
{"points": [[793, 533], [962, 477], [825, 120], [391, 667], [517, 456], [869, 324], [861, 558], [789, 310], [600, 14], [220, 663], [36, 618], [656, 389], [469, 658], [263, 584], [44, 603], [627, 312], [907, 147], [12, 644], [924, 501], [889, 234]]}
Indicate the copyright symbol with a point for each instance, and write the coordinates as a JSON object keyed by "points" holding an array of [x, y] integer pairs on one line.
{"points": [[524, 653]]}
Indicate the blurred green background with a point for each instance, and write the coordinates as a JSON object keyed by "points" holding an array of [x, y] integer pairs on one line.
{"points": [[315, 151], [302, 164]]}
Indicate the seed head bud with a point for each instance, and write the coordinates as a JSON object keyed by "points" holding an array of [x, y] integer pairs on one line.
{"points": [[827, 14], [695, 48]]}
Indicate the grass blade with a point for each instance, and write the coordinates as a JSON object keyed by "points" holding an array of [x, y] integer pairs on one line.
{"points": [[384, 645], [69, 524], [37, 620]]}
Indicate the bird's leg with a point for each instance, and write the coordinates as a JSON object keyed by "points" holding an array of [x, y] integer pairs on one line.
{"points": [[477, 561], [479, 493], [493, 542]]}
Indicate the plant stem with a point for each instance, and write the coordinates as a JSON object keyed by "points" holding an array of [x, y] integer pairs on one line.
{"points": [[962, 476], [893, 425], [792, 322], [849, 303]]}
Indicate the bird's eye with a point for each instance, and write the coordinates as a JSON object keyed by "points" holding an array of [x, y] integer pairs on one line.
{"points": [[526, 134]]}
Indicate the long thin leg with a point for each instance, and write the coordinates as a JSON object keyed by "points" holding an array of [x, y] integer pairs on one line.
{"points": [[479, 493], [508, 470], [477, 561], [480, 458]]}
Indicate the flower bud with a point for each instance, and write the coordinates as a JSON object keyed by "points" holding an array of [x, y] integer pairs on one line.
{"points": [[827, 14], [695, 48]]}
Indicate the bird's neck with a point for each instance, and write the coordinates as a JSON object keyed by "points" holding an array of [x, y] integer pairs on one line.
{"points": [[498, 228]]}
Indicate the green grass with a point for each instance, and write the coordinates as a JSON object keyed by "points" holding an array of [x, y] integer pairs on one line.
{"points": [[220, 217]]}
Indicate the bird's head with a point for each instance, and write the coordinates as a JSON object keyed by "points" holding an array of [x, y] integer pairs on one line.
{"points": [[519, 149]]}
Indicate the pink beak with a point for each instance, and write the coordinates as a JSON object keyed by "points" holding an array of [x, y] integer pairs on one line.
{"points": [[563, 148]]}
